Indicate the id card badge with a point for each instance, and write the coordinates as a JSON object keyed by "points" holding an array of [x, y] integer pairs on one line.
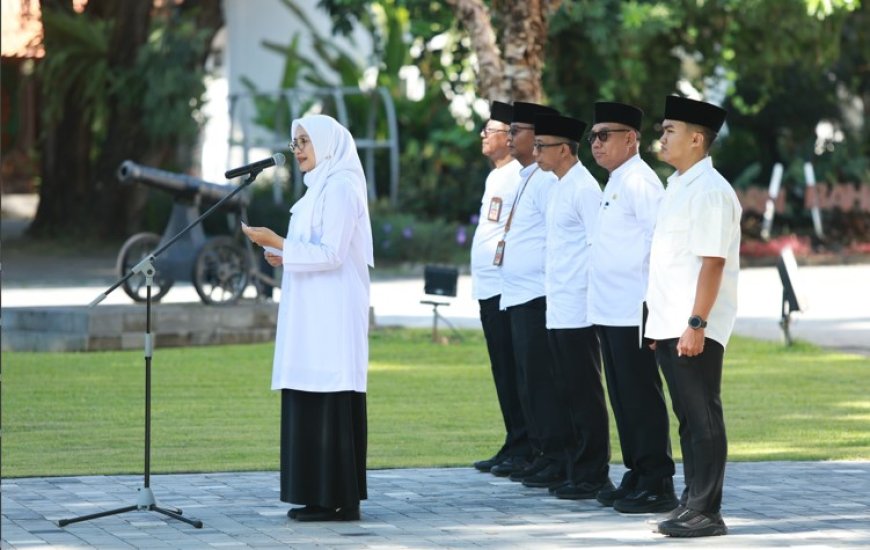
{"points": [[494, 209], [499, 253]]}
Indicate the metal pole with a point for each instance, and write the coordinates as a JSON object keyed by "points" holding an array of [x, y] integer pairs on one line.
{"points": [[772, 194]]}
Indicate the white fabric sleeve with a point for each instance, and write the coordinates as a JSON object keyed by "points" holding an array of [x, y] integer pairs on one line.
{"points": [[712, 218], [339, 215], [645, 197]]}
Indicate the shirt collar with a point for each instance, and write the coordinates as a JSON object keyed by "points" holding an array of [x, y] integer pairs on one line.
{"points": [[625, 166], [692, 173], [510, 165], [527, 170], [577, 167]]}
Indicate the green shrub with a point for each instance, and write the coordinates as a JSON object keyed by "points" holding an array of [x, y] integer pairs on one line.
{"points": [[401, 237]]}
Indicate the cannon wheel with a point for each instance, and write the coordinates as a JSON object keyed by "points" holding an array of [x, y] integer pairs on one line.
{"points": [[221, 271], [133, 251]]}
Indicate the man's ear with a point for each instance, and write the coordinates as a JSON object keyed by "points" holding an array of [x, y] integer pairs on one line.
{"points": [[698, 139]]}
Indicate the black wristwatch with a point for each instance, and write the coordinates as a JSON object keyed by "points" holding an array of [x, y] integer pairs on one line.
{"points": [[696, 322]]}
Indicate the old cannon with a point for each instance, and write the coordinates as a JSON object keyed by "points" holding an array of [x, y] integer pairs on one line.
{"points": [[220, 267]]}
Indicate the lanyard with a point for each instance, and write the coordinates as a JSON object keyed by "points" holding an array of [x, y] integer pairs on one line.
{"points": [[507, 225]]}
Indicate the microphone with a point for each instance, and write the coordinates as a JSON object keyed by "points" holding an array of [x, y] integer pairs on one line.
{"points": [[275, 160]]}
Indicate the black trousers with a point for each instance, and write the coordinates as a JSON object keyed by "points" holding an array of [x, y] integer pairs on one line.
{"points": [[545, 412], [497, 331], [638, 404], [577, 357], [695, 384], [323, 448]]}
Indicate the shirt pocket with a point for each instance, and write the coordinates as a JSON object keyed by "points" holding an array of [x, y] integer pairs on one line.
{"points": [[673, 234]]}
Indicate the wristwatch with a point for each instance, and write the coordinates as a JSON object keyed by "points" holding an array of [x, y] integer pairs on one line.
{"points": [[696, 322]]}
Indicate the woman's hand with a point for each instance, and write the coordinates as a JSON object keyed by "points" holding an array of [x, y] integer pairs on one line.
{"points": [[263, 236], [274, 259]]}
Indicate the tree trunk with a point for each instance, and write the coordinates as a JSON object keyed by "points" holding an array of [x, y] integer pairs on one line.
{"points": [[475, 17], [525, 34], [514, 71], [121, 207], [64, 191]]}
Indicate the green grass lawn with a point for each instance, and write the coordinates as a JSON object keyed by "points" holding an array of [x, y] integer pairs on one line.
{"points": [[429, 405]]}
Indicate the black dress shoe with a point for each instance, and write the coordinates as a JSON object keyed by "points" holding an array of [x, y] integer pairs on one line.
{"points": [[319, 513], [691, 523], [645, 501], [292, 512], [673, 514], [608, 496], [551, 476], [583, 490], [553, 488], [539, 464], [486, 465], [676, 512], [509, 466]]}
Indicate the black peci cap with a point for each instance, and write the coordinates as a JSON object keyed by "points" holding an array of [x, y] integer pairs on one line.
{"points": [[501, 112], [561, 126], [622, 113], [526, 112], [695, 112]]}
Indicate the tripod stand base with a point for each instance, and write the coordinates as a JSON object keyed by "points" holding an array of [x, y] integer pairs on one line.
{"points": [[437, 315], [145, 502]]}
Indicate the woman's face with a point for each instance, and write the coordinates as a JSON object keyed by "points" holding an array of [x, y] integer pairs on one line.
{"points": [[304, 150]]}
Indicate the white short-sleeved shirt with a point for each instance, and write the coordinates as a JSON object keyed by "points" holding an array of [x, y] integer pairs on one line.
{"points": [[699, 216], [522, 270], [619, 267], [495, 206], [571, 215]]}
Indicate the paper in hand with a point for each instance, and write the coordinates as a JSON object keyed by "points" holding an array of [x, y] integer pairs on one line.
{"points": [[273, 250]]}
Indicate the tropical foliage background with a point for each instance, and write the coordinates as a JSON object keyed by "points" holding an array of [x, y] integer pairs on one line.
{"points": [[794, 75]]}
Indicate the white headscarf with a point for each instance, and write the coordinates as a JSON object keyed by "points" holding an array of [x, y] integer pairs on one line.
{"points": [[337, 162]]}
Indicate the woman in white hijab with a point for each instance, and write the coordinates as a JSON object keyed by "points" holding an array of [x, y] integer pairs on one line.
{"points": [[321, 346]]}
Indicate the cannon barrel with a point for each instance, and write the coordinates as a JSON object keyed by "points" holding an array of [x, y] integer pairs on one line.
{"points": [[178, 184]]}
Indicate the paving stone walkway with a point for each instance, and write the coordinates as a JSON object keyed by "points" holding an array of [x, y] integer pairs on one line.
{"points": [[767, 505]]}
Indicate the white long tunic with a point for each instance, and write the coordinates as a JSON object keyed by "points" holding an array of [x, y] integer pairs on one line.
{"points": [[522, 270], [501, 187], [619, 268], [322, 335], [700, 216], [571, 215]]}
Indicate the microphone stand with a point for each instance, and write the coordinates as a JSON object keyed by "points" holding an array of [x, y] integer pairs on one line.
{"points": [[145, 500]]}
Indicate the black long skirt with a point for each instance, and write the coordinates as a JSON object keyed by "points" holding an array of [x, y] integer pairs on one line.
{"points": [[323, 448]]}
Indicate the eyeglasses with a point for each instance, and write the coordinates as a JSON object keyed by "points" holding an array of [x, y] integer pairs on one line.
{"points": [[490, 131], [603, 135], [517, 129], [538, 145], [299, 144]]}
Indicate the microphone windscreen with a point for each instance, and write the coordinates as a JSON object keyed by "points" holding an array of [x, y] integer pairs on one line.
{"points": [[279, 159]]}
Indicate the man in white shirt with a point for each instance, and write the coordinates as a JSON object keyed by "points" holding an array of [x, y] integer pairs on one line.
{"points": [[571, 215], [521, 256], [692, 299], [617, 283], [498, 199]]}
